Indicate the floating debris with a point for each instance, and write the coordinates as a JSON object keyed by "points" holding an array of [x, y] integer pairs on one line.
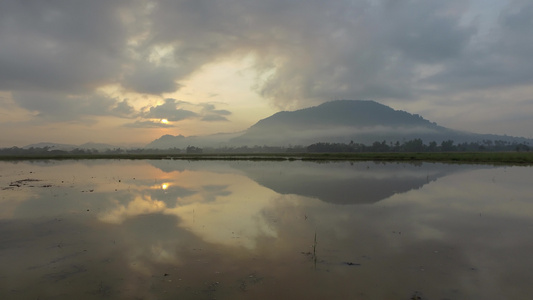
{"points": [[20, 183]]}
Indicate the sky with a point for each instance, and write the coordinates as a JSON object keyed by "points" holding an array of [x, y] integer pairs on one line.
{"points": [[125, 72]]}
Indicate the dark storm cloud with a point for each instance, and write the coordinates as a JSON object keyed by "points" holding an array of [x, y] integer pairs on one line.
{"points": [[304, 51]]}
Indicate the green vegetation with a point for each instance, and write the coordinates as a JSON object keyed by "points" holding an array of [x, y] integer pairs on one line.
{"points": [[492, 152], [417, 145], [517, 158]]}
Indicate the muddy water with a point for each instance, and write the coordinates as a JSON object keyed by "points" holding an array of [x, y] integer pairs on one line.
{"points": [[118, 229]]}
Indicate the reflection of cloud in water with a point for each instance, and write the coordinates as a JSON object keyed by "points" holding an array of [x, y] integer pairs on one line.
{"points": [[220, 207], [160, 238], [227, 212], [463, 236], [139, 206], [169, 193], [213, 192]]}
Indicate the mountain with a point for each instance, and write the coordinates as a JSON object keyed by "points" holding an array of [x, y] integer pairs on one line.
{"points": [[168, 141], [97, 146], [342, 121], [339, 121]]}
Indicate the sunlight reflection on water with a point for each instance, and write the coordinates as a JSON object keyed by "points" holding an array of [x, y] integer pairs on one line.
{"points": [[225, 230]]}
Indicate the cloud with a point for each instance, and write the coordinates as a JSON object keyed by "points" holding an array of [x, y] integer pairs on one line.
{"points": [[57, 45], [312, 51], [304, 52], [151, 79], [373, 51], [210, 108], [213, 118], [169, 110], [50, 106], [503, 60], [123, 109], [174, 110], [148, 124], [211, 114]]}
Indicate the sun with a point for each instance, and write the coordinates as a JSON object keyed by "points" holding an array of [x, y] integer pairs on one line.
{"points": [[164, 121]]}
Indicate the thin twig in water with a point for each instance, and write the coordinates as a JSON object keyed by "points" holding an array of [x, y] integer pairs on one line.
{"points": [[314, 251]]}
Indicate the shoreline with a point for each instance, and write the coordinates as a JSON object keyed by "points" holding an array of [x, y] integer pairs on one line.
{"points": [[514, 158]]}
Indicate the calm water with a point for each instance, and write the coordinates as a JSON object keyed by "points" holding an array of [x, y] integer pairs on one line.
{"points": [[166, 229]]}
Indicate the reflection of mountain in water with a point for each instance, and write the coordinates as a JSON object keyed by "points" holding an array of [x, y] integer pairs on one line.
{"points": [[345, 183], [335, 182], [169, 166]]}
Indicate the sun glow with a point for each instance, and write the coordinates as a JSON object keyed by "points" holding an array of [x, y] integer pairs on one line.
{"points": [[164, 121]]}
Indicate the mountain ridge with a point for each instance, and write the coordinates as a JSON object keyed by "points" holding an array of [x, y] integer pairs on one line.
{"points": [[338, 121], [362, 121], [362, 110]]}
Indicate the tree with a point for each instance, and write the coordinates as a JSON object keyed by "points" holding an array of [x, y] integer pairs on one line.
{"points": [[193, 150], [432, 146], [415, 145], [447, 146], [380, 147]]}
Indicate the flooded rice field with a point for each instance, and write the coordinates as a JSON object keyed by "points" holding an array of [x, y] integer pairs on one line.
{"points": [[167, 229]]}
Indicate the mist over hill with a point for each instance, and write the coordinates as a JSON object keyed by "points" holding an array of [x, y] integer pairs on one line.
{"points": [[168, 141], [70, 147], [339, 121]]}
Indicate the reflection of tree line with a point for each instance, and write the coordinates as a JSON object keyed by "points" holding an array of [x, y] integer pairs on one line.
{"points": [[13, 151], [415, 145]]}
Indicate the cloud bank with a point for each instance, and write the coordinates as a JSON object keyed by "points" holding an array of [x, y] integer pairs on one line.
{"points": [[56, 56]]}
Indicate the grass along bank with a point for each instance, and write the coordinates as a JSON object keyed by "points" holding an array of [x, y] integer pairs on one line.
{"points": [[519, 158]]}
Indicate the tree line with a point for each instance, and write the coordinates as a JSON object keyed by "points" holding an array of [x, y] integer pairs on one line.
{"points": [[415, 145]]}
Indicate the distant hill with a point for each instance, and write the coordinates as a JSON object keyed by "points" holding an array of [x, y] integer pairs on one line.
{"points": [[97, 146], [70, 147], [168, 141], [52, 146], [340, 121]]}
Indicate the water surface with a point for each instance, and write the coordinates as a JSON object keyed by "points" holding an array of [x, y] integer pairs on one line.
{"points": [[167, 229]]}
